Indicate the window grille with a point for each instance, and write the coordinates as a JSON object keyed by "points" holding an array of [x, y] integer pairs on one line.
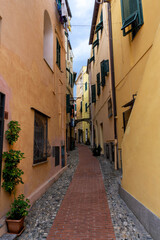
{"points": [[132, 15], [40, 137], [2, 105], [56, 156]]}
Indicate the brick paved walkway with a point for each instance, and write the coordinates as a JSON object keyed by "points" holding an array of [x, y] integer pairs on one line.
{"points": [[84, 212]]}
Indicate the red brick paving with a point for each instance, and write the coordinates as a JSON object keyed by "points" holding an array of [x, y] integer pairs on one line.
{"points": [[84, 213]]}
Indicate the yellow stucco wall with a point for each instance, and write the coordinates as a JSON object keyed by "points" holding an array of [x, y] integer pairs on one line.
{"points": [[27, 82], [104, 126], [136, 65], [141, 143], [130, 56], [83, 96]]}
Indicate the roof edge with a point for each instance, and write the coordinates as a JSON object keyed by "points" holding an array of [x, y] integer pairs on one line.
{"points": [[94, 18]]}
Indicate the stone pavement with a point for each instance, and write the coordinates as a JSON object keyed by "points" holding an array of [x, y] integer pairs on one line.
{"points": [[44, 211], [84, 212]]}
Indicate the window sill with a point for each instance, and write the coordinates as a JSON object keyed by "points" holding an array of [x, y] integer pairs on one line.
{"points": [[36, 164]]}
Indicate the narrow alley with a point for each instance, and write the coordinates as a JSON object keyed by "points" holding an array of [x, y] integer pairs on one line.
{"points": [[79, 120], [85, 212]]}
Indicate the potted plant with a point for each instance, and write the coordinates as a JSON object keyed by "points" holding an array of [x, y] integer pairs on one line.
{"points": [[16, 215]]}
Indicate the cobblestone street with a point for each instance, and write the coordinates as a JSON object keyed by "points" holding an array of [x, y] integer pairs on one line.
{"points": [[84, 213]]}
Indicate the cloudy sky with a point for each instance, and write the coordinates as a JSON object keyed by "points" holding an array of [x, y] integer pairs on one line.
{"points": [[82, 11]]}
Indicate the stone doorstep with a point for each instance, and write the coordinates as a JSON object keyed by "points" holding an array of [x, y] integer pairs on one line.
{"points": [[8, 236]]}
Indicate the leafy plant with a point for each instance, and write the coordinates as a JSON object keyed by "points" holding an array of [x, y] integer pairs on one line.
{"points": [[19, 208], [12, 134], [11, 173]]}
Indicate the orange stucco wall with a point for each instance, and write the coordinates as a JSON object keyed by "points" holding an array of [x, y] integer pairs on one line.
{"points": [[28, 82]]}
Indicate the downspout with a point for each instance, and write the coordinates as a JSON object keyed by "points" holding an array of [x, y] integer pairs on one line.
{"points": [[113, 82]]}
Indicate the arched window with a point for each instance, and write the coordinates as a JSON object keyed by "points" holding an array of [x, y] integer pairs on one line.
{"points": [[48, 40]]}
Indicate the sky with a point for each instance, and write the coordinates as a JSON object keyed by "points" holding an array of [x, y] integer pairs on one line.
{"points": [[82, 11]]}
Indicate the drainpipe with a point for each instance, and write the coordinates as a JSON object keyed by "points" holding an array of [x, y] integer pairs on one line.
{"points": [[113, 81]]}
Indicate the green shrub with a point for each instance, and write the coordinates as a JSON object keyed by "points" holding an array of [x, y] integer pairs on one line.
{"points": [[12, 134], [11, 173], [19, 208]]}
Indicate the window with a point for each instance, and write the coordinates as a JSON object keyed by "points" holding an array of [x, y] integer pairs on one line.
{"points": [[132, 16], [2, 105], [40, 137], [100, 24], [63, 156], [98, 84], [96, 42], [81, 107], [56, 156], [85, 86], [109, 108], [92, 58], [48, 41], [58, 58], [67, 103], [86, 107], [93, 90], [104, 71]]}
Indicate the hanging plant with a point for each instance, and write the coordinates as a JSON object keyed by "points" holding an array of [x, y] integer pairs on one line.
{"points": [[11, 173], [12, 134]]}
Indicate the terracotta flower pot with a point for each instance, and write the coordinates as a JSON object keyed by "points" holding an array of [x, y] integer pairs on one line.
{"points": [[15, 226]]}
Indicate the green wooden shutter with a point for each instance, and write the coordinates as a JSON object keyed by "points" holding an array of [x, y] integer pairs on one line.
{"points": [[101, 17], [86, 107], [85, 86], [59, 56], [93, 90], [98, 84], [132, 15], [106, 67], [68, 103], [104, 71], [102, 74]]}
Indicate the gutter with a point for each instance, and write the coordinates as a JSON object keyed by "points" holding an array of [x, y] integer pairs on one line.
{"points": [[112, 70], [113, 86]]}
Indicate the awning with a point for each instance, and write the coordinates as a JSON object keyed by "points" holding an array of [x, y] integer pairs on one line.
{"points": [[129, 104]]}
